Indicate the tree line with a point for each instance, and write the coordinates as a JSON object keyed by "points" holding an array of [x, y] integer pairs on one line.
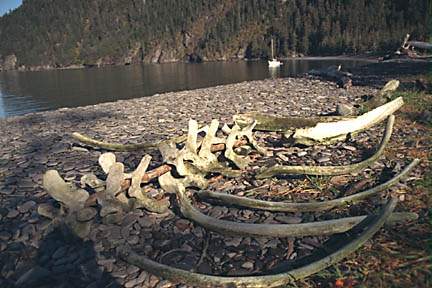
{"points": [[63, 32]]}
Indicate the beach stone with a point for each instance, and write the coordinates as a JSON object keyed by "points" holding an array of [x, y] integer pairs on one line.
{"points": [[26, 206], [350, 148], [133, 240], [343, 109], [5, 235], [60, 252], [86, 214], [34, 276], [302, 153], [289, 219], [248, 265], [12, 213], [323, 159]]}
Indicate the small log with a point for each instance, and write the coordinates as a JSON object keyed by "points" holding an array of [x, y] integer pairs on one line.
{"points": [[382, 97], [334, 73], [419, 45]]}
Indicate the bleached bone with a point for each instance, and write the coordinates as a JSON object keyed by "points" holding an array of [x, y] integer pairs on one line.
{"points": [[308, 206], [194, 164], [111, 199], [267, 172], [106, 160], [243, 127], [276, 280], [73, 198], [335, 131], [92, 181], [135, 190]]}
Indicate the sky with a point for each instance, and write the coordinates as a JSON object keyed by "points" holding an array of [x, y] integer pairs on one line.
{"points": [[6, 5]]}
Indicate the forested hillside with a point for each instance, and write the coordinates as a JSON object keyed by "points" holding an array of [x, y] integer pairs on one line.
{"points": [[58, 33]]}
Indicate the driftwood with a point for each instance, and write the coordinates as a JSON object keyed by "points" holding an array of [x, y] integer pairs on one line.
{"points": [[407, 49], [285, 278], [331, 170], [305, 207], [382, 97], [334, 73]]}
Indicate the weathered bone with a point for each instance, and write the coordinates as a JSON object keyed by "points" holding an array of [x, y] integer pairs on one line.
{"points": [[72, 197], [331, 170], [127, 147], [92, 181], [281, 279], [274, 123], [189, 162], [246, 229], [305, 207], [330, 132], [242, 128], [142, 200], [106, 160]]}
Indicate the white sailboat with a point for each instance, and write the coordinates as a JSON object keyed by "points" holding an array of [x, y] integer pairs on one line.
{"points": [[274, 63]]}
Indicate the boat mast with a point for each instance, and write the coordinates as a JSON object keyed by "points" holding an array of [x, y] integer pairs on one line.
{"points": [[272, 53]]}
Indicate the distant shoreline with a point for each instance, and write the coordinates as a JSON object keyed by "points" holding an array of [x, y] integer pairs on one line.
{"points": [[368, 58]]}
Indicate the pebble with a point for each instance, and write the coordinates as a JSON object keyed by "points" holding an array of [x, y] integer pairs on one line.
{"points": [[33, 276], [12, 214], [301, 153], [5, 235], [248, 265], [323, 159], [133, 240], [60, 252], [86, 214], [235, 241], [289, 219], [350, 148], [26, 206]]}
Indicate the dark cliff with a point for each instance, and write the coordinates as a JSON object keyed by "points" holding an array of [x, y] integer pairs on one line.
{"points": [[60, 33]]}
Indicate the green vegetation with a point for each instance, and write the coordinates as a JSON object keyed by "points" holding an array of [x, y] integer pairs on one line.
{"points": [[62, 32]]}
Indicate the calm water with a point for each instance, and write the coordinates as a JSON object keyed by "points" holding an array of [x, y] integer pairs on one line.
{"points": [[24, 92]]}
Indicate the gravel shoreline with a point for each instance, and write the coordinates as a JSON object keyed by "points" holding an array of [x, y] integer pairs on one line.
{"points": [[36, 142]]}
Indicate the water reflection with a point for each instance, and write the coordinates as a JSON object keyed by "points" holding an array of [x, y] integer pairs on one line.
{"points": [[24, 92]]}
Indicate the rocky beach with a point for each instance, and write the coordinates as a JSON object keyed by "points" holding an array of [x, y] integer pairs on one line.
{"points": [[31, 255]]}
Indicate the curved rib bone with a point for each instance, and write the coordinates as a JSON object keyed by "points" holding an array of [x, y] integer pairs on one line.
{"points": [[268, 122], [202, 280], [304, 207], [331, 170], [111, 146], [330, 132], [269, 230]]}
